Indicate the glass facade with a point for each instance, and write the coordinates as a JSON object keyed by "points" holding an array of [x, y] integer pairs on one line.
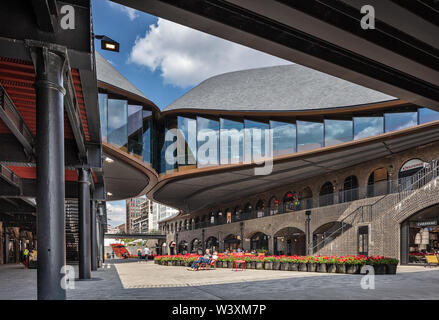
{"points": [[338, 131], [401, 120], [309, 135], [174, 143], [367, 127]]}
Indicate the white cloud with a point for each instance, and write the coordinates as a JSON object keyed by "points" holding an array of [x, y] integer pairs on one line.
{"points": [[186, 56], [116, 212], [131, 13]]}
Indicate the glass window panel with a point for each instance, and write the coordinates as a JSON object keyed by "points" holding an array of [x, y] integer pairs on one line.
{"points": [[309, 135], [368, 126], [168, 146], [188, 129], [338, 131], [146, 137], [103, 100], [398, 121], [231, 141], [135, 124], [427, 115], [283, 137], [207, 142], [117, 122], [255, 145]]}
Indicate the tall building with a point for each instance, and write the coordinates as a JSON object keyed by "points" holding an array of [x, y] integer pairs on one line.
{"points": [[135, 207]]}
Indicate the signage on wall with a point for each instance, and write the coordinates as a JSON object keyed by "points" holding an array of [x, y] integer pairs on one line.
{"points": [[426, 223], [412, 164]]}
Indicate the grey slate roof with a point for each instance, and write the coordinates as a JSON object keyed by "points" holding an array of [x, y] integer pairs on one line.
{"points": [[105, 72], [280, 88]]}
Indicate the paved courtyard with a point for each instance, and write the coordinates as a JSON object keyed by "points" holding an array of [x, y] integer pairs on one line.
{"points": [[132, 280]]}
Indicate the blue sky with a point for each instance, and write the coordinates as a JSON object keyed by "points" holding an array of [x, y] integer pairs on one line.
{"points": [[165, 60]]}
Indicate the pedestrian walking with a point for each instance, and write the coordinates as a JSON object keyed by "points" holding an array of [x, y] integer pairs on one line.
{"points": [[139, 255], [146, 253]]}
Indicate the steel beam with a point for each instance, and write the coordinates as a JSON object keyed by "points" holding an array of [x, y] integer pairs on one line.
{"points": [[50, 172], [93, 235], [84, 224], [15, 123]]}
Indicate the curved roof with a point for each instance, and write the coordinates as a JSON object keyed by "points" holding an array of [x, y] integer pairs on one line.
{"points": [[279, 88], [105, 72]]}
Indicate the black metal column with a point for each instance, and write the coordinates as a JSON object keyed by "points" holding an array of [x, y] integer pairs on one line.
{"points": [[98, 236], [93, 235], [405, 229], [308, 233], [103, 221], [50, 173], [84, 224]]}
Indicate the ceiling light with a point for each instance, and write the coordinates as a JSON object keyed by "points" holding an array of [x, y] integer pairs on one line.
{"points": [[108, 43], [109, 194], [109, 160]]}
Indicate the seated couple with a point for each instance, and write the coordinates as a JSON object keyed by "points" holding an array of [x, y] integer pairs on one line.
{"points": [[207, 259]]}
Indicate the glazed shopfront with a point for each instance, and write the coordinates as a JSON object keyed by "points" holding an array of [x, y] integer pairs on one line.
{"points": [[420, 236]]}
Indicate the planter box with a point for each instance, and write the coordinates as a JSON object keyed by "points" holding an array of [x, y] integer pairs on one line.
{"points": [[303, 267], [341, 268], [294, 266], [259, 265], [391, 268], [276, 265], [268, 265], [352, 268], [220, 264], [285, 266], [169, 263], [321, 267], [331, 268], [379, 268], [311, 267], [251, 265]]}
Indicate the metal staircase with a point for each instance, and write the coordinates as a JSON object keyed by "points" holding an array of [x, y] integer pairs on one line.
{"points": [[393, 200]]}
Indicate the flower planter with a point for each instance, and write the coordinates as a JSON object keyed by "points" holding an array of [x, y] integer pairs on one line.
{"points": [[341, 268], [294, 266], [331, 268], [311, 267], [285, 266], [259, 265], [220, 264], [391, 268], [379, 268], [268, 265], [352, 268], [276, 265], [302, 267], [249, 265], [169, 263], [321, 267]]}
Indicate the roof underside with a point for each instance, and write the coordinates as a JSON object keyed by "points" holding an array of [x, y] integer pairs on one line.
{"points": [[286, 88]]}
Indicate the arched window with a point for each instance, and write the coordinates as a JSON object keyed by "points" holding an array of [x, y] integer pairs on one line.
{"points": [[350, 189], [377, 184], [290, 201], [212, 219], [237, 214], [260, 208], [247, 211], [273, 205], [228, 215], [259, 241], [212, 244], [326, 194], [305, 198], [407, 172]]}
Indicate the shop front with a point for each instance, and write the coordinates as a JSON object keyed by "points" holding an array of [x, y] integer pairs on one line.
{"points": [[420, 236]]}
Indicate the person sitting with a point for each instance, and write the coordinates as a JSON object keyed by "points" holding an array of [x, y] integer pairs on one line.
{"points": [[204, 259]]}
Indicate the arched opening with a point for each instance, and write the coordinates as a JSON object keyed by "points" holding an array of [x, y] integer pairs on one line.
{"points": [[289, 241], [247, 214], [305, 199], [220, 217], [232, 242], [172, 247], [259, 241], [260, 208], [350, 189], [197, 222], [420, 235], [183, 247], [212, 218], [407, 171], [196, 246], [237, 214], [228, 215], [325, 234], [212, 244], [326, 197], [273, 206], [378, 184]]}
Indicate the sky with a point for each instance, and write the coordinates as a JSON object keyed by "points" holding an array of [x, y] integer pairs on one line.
{"points": [[164, 59]]}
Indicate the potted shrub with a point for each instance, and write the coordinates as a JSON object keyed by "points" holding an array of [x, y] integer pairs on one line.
{"points": [[294, 264], [341, 265], [311, 264], [230, 262], [353, 265], [276, 263], [268, 263], [321, 264], [331, 265], [392, 265], [302, 264], [285, 264], [379, 264], [260, 263]]}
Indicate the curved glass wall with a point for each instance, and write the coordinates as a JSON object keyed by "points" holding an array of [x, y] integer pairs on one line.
{"points": [[177, 143]]}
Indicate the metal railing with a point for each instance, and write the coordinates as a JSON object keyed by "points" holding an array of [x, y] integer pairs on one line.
{"points": [[367, 213]]}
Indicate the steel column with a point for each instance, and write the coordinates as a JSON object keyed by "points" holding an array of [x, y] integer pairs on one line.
{"points": [[84, 224], [308, 233], [103, 217], [50, 191], [405, 230], [93, 235]]}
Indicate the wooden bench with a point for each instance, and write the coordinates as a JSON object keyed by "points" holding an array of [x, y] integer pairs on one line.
{"points": [[205, 266]]}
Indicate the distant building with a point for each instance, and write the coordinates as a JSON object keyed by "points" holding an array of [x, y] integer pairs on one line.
{"points": [[121, 228], [133, 211]]}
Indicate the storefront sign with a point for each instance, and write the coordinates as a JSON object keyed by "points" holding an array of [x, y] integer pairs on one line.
{"points": [[412, 164], [426, 223]]}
